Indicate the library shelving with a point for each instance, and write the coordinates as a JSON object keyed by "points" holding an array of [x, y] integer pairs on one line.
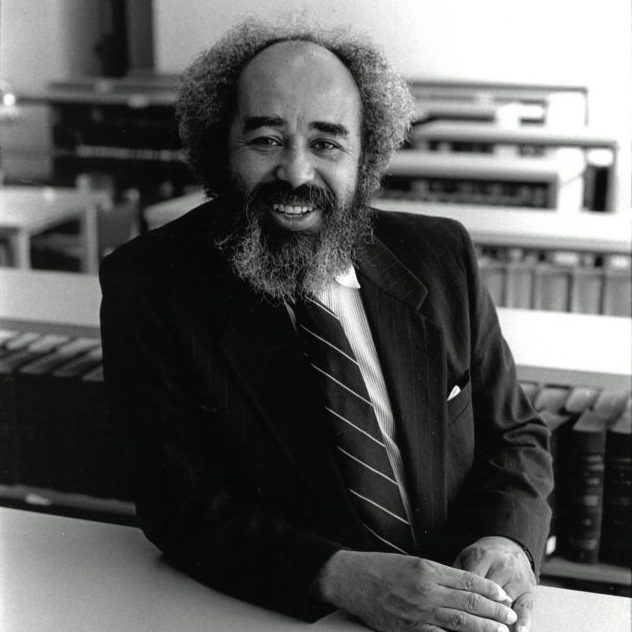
{"points": [[604, 364], [544, 182], [476, 136]]}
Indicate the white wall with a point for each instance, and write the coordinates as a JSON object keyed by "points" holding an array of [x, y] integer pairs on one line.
{"points": [[41, 41], [584, 42], [568, 42]]}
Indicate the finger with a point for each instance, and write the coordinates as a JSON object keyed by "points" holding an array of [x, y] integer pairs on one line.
{"points": [[475, 560], [483, 607], [459, 621], [517, 586], [523, 607], [478, 566], [503, 574], [470, 582]]}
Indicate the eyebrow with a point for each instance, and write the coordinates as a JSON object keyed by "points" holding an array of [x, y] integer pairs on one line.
{"points": [[255, 122], [335, 129]]}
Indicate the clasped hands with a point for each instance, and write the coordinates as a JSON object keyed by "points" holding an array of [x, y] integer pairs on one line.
{"points": [[489, 589]]}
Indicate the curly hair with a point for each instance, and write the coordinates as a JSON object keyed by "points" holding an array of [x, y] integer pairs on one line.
{"points": [[207, 99]]}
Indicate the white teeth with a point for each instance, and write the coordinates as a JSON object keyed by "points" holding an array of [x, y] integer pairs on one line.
{"points": [[287, 209]]}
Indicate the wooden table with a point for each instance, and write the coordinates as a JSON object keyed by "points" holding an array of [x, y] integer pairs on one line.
{"points": [[75, 575], [27, 211]]}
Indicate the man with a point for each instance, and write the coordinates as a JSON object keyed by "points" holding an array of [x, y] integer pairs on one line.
{"points": [[244, 476]]}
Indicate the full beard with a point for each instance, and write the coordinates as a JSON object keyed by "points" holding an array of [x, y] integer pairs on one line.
{"points": [[282, 264]]}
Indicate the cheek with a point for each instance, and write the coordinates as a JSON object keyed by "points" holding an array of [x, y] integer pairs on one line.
{"points": [[249, 168], [343, 180]]}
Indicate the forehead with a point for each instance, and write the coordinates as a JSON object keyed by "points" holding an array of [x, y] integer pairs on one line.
{"points": [[299, 79]]}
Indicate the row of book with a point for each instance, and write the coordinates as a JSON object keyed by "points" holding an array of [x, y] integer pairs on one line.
{"points": [[592, 460], [468, 191], [55, 433], [593, 196], [55, 430], [558, 281]]}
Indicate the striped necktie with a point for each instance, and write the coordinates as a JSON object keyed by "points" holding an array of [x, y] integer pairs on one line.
{"points": [[360, 449]]}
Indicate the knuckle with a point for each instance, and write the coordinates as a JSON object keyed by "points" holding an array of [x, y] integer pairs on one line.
{"points": [[467, 581], [457, 620], [473, 602], [420, 567]]}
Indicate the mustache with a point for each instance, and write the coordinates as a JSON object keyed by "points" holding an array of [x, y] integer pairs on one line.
{"points": [[269, 193]]}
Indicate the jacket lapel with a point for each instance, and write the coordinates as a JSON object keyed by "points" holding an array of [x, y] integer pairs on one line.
{"points": [[261, 345], [410, 348]]}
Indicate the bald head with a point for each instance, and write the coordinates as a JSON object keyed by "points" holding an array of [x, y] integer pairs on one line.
{"points": [[297, 68]]}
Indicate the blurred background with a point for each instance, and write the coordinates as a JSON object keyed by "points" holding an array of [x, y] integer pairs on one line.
{"points": [[522, 132]]}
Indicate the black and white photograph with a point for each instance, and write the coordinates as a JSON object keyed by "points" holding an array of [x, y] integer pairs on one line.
{"points": [[315, 315]]}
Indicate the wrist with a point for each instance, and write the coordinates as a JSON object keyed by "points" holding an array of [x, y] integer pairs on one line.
{"points": [[330, 577], [516, 545]]}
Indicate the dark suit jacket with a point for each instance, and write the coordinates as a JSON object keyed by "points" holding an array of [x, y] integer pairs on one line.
{"points": [[235, 476]]}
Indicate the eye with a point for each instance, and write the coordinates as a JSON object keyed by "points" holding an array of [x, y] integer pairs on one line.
{"points": [[325, 145], [265, 142]]}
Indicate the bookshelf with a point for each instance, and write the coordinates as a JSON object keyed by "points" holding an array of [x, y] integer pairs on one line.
{"points": [[497, 225], [605, 363], [562, 569], [455, 133], [547, 136], [526, 227], [123, 127], [599, 238], [556, 261], [537, 102], [558, 178], [445, 109], [502, 91]]}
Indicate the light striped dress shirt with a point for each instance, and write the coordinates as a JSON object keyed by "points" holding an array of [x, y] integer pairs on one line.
{"points": [[343, 297]]}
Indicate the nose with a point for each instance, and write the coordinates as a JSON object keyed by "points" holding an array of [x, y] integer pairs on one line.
{"points": [[295, 167]]}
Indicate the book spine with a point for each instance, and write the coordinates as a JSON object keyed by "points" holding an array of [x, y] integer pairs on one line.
{"points": [[586, 465], [616, 543]]}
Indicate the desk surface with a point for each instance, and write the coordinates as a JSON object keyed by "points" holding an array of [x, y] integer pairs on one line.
{"points": [[545, 344], [529, 228], [75, 575], [55, 302], [36, 208], [502, 226]]}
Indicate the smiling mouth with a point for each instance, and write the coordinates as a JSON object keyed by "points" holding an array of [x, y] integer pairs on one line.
{"points": [[292, 210]]}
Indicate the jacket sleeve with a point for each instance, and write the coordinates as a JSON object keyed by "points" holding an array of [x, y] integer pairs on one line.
{"points": [[512, 476], [182, 505]]}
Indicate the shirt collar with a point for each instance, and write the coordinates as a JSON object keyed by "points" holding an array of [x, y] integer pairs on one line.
{"points": [[348, 279]]}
